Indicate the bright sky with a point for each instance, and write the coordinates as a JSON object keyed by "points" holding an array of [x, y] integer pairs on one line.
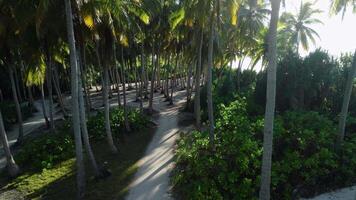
{"points": [[337, 35]]}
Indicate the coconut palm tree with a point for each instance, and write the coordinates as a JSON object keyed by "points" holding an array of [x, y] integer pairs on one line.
{"points": [[11, 166], [264, 193], [298, 26], [337, 7], [75, 102]]}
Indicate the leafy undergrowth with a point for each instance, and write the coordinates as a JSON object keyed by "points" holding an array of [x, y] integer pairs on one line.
{"points": [[55, 177], [304, 160]]}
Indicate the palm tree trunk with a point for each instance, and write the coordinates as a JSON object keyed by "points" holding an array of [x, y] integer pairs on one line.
{"points": [[264, 193], [83, 77], [84, 128], [150, 102], [210, 80], [43, 104], [197, 83], [17, 105], [345, 103], [142, 76], [75, 103], [126, 117], [107, 109], [49, 87], [11, 166], [17, 86], [58, 88], [189, 95]]}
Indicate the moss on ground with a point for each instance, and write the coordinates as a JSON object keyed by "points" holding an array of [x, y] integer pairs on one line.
{"points": [[59, 181]]}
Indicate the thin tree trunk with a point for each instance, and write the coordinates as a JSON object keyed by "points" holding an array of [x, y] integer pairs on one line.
{"points": [[43, 104], [11, 166], [49, 87], [17, 105], [107, 109], [150, 102], [345, 103], [127, 125], [75, 103], [142, 77], [264, 193], [83, 125], [59, 94], [189, 95], [197, 83], [83, 77], [210, 80], [17, 86]]}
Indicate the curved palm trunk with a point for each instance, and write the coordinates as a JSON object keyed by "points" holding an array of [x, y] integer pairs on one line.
{"points": [[197, 83], [11, 166], [264, 193], [17, 105], [107, 109], [58, 90], [84, 128], [210, 81], [75, 103], [345, 103]]}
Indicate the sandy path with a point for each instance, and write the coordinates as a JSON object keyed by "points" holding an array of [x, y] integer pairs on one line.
{"points": [[342, 194], [29, 126], [151, 182]]}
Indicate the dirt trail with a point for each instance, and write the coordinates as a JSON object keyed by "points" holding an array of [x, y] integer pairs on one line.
{"points": [[151, 182]]}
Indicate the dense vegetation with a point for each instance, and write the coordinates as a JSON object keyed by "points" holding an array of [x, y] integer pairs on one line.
{"points": [[47, 159], [269, 123]]}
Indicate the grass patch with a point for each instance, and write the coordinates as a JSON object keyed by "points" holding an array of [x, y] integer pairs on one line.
{"points": [[58, 182]]}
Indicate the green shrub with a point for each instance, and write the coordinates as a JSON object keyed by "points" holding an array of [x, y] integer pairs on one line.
{"points": [[46, 151], [229, 171], [96, 124], [304, 161]]}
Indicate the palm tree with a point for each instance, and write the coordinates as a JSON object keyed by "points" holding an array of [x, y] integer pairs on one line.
{"points": [[270, 104], [210, 75], [298, 26], [12, 168], [337, 7], [75, 102]]}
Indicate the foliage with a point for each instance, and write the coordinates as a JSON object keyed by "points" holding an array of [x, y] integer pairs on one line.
{"points": [[304, 161], [96, 125], [46, 151]]}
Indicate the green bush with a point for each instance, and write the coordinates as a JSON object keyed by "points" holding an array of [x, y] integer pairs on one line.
{"points": [[230, 171], [46, 151], [96, 124], [304, 161]]}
